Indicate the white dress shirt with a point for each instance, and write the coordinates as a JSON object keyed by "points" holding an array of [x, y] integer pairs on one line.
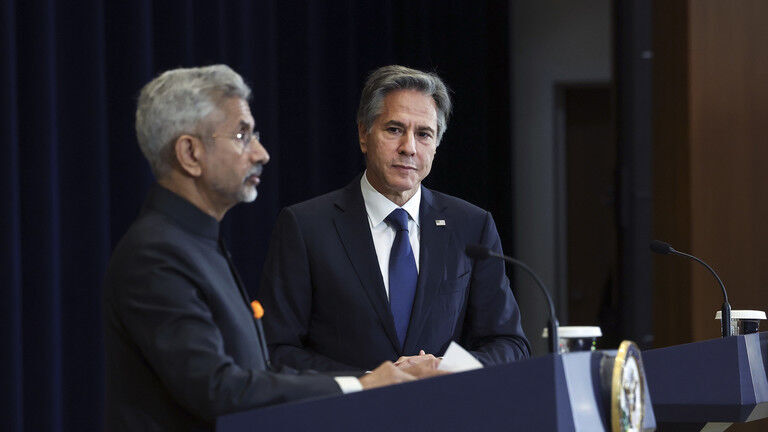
{"points": [[348, 384], [378, 207]]}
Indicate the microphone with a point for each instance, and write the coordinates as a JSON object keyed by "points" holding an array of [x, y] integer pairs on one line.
{"points": [[481, 252], [662, 248]]}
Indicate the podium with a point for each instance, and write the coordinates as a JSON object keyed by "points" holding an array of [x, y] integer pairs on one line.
{"points": [[550, 393], [718, 381]]}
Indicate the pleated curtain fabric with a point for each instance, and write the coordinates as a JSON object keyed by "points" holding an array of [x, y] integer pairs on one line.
{"points": [[73, 178]]}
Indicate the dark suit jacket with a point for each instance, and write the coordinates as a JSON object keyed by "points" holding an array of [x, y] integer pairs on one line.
{"points": [[325, 303], [181, 342]]}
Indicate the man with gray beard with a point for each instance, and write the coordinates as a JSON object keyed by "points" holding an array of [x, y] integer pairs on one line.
{"points": [[183, 345]]}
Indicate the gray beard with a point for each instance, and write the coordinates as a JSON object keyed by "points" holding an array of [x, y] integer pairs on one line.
{"points": [[248, 194]]}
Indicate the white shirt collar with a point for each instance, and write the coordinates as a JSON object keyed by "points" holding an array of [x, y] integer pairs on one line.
{"points": [[379, 207]]}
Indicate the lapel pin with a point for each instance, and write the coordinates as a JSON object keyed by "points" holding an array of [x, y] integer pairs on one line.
{"points": [[439, 222]]}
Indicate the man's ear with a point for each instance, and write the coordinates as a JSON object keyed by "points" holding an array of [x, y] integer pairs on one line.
{"points": [[189, 150], [362, 136]]}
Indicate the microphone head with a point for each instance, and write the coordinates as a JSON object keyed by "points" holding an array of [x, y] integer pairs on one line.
{"points": [[660, 247], [477, 251]]}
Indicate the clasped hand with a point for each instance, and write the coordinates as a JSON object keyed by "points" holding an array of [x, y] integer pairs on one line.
{"points": [[406, 368], [407, 362]]}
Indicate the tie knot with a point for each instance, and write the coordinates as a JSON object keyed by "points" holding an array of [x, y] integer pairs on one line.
{"points": [[398, 219]]}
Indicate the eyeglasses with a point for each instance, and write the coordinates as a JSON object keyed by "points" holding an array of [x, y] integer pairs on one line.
{"points": [[243, 140]]}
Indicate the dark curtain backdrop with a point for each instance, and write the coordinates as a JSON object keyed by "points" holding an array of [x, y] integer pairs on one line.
{"points": [[73, 177]]}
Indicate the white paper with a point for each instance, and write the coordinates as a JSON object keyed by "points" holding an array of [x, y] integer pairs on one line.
{"points": [[457, 359]]}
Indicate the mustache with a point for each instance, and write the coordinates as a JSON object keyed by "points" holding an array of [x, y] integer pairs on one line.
{"points": [[255, 171]]}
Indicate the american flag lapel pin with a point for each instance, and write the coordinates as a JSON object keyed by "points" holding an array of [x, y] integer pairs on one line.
{"points": [[440, 222]]}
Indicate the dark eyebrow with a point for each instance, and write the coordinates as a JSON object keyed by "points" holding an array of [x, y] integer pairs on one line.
{"points": [[425, 128], [247, 126], [395, 123], [402, 125]]}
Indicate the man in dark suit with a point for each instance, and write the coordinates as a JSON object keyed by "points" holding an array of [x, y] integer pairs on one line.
{"points": [[377, 270], [182, 344]]}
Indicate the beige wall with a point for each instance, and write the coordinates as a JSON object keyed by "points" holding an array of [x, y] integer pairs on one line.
{"points": [[553, 41]]}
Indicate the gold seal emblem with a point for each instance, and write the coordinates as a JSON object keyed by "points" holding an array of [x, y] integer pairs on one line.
{"points": [[628, 389]]}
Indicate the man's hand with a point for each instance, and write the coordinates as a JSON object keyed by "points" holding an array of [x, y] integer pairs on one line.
{"points": [[408, 361], [384, 375], [425, 368]]}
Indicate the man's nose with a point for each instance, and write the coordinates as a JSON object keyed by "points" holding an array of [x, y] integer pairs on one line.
{"points": [[408, 144], [258, 153]]}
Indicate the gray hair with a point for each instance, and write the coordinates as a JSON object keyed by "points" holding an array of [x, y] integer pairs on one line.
{"points": [[389, 78], [175, 103]]}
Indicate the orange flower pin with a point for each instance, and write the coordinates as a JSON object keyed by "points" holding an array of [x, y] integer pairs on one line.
{"points": [[258, 311]]}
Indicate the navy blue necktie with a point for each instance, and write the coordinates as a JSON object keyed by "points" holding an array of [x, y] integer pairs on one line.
{"points": [[402, 273]]}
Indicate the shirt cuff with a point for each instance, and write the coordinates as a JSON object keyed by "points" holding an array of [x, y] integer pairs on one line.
{"points": [[348, 384]]}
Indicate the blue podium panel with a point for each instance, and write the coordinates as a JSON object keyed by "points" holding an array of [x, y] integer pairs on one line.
{"points": [[527, 395], [550, 393], [718, 380]]}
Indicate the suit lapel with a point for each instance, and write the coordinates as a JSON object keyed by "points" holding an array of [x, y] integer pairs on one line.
{"points": [[247, 302], [432, 245], [235, 274], [355, 234]]}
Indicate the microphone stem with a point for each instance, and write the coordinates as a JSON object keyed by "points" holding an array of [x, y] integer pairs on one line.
{"points": [[725, 314], [554, 338], [725, 319], [722, 285]]}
